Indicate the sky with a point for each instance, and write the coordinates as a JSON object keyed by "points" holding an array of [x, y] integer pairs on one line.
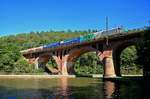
{"points": [[24, 16]]}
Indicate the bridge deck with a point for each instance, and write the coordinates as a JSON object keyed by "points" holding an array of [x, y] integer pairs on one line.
{"points": [[116, 36]]}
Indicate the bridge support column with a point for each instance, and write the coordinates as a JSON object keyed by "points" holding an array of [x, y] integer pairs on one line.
{"points": [[62, 63], [116, 59], [109, 70], [58, 62], [64, 70], [67, 68], [36, 63]]}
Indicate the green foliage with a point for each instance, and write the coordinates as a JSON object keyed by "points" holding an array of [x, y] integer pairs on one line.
{"points": [[9, 54], [52, 63], [129, 61], [23, 66], [129, 56], [88, 64], [6, 63]]}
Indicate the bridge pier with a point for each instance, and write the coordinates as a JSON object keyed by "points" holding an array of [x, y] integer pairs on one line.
{"points": [[67, 68], [33, 61], [109, 70], [64, 70], [116, 60], [62, 62], [36, 63]]}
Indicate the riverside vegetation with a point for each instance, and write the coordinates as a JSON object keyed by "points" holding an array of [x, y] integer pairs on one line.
{"points": [[12, 62]]}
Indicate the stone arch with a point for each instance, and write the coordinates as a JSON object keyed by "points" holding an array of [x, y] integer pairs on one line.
{"points": [[43, 59], [117, 52], [77, 52]]}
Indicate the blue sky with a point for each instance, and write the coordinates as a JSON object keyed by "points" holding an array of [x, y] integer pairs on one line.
{"points": [[20, 16]]}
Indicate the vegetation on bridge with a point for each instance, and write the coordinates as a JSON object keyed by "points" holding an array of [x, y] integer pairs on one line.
{"points": [[11, 60]]}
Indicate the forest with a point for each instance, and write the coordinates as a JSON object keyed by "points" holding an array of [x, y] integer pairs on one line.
{"points": [[12, 62]]}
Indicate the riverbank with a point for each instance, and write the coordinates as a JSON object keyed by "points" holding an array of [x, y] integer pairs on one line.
{"points": [[59, 76], [36, 76]]}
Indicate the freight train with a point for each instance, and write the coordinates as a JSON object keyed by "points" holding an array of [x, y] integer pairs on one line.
{"points": [[85, 38], [89, 37]]}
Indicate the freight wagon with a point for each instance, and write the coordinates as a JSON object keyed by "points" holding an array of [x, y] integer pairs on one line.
{"points": [[70, 41], [112, 31], [85, 38], [52, 45]]}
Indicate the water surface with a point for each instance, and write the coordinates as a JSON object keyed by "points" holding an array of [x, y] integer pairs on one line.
{"points": [[68, 88]]}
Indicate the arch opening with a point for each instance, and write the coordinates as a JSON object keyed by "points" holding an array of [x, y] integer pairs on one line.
{"points": [[88, 63], [47, 64], [51, 66], [126, 60]]}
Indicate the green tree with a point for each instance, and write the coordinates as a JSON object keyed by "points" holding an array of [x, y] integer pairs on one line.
{"points": [[52, 63], [23, 66], [9, 54], [129, 60], [88, 64]]}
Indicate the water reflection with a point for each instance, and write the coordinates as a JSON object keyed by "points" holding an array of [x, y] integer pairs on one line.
{"points": [[65, 88], [111, 90]]}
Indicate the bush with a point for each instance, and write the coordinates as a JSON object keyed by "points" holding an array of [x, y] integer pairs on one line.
{"points": [[23, 66], [88, 63], [128, 61]]}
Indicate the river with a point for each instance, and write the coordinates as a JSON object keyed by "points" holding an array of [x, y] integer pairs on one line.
{"points": [[69, 88]]}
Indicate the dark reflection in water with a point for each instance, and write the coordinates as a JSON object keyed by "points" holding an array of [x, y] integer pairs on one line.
{"points": [[67, 88]]}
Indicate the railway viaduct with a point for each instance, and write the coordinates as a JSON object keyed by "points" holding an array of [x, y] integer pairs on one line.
{"points": [[108, 49]]}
